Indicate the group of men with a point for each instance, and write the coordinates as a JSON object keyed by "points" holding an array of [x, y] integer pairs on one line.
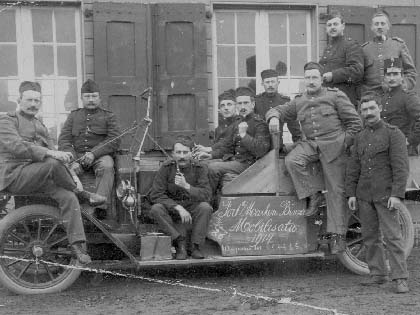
{"points": [[364, 165], [30, 164]]}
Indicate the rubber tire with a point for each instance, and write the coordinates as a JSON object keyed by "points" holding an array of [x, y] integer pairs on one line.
{"points": [[360, 267], [15, 216]]}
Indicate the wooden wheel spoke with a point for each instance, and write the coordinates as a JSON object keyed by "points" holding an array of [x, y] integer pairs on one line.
{"points": [[51, 232], [355, 241], [58, 241], [359, 251], [18, 238], [27, 230], [12, 263], [48, 270], [38, 234], [15, 250], [24, 269]]}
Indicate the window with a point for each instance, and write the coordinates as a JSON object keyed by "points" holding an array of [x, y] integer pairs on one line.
{"points": [[249, 41], [41, 44]]}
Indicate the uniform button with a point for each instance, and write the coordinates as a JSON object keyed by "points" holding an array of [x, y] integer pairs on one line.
{"points": [[85, 140], [88, 119], [370, 144], [384, 117]]}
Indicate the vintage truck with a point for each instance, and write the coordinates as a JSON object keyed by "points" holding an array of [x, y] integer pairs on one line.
{"points": [[259, 218]]}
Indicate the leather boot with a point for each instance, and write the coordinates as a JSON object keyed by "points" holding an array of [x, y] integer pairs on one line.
{"points": [[314, 202], [196, 253], [92, 198], [375, 280], [79, 250], [181, 249]]}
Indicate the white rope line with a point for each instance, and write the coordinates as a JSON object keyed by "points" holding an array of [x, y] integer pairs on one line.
{"points": [[233, 291]]}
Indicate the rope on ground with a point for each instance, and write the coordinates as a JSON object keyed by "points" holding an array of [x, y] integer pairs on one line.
{"points": [[233, 291]]}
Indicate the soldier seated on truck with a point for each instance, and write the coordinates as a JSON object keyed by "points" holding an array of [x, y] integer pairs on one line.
{"points": [[30, 165], [180, 195], [227, 116], [248, 141], [89, 134]]}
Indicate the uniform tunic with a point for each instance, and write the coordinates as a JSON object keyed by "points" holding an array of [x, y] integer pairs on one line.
{"points": [[343, 57], [329, 122], [88, 130], [165, 195], [265, 101], [378, 169], [223, 131], [376, 51], [239, 153], [402, 109], [25, 168]]}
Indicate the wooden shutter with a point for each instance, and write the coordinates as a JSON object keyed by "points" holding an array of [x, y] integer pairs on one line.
{"points": [[181, 74], [121, 60], [405, 24]]}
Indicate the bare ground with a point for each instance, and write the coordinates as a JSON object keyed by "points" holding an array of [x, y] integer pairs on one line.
{"points": [[310, 283]]}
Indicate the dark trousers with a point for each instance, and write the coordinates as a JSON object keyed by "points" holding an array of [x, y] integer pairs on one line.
{"points": [[53, 178], [377, 221], [332, 178], [218, 168], [170, 222], [104, 175]]}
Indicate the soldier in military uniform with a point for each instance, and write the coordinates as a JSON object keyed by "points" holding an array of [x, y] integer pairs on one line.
{"points": [[89, 135], [249, 141], [271, 98], [401, 108], [227, 115], [380, 48], [376, 178], [329, 122], [29, 164], [180, 195], [342, 59]]}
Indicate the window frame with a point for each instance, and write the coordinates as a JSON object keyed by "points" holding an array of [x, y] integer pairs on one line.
{"points": [[312, 27]]}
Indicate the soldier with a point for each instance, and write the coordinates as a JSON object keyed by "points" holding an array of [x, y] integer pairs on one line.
{"points": [[180, 193], [329, 122], [376, 178], [271, 98], [29, 164], [227, 115], [381, 48], [400, 108], [342, 59], [89, 135], [249, 141]]}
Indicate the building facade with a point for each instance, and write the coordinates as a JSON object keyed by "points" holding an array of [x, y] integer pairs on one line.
{"points": [[188, 51]]}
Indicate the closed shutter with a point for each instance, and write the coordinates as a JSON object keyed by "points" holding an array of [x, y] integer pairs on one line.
{"points": [[181, 74], [121, 60]]}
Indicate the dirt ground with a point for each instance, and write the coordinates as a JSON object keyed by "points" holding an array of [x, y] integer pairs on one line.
{"points": [[308, 287]]}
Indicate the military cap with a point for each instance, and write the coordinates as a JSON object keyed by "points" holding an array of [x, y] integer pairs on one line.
{"points": [[227, 95], [269, 73], [381, 12], [29, 86], [392, 65], [312, 65], [89, 86], [244, 91], [184, 140]]}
